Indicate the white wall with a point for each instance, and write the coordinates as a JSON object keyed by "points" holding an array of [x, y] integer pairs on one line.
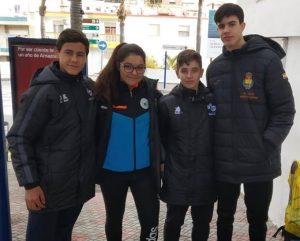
{"points": [[290, 150], [273, 18], [137, 31]]}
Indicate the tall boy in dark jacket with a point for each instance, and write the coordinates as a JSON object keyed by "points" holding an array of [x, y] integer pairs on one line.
{"points": [[255, 113], [52, 142], [185, 118]]}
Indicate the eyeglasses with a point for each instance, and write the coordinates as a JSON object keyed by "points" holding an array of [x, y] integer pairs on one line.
{"points": [[128, 68]]}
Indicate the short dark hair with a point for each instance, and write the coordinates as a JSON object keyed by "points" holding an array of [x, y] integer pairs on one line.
{"points": [[72, 36], [186, 56], [229, 9]]}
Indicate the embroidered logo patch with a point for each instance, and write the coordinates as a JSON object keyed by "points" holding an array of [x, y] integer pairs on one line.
{"points": [[63, 98], [103, 107], [144, 103], [248, 81], [178, 111], [211, 109], [284, 76], [120, 107]]}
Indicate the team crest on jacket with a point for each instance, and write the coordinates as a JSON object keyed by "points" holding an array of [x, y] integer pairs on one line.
{"points": [[211, 109], [144, 103], [248, 81]]}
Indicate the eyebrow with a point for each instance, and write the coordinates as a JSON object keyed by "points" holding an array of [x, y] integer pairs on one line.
{"points": [[74, 51], [230, 22], [133, 64]]}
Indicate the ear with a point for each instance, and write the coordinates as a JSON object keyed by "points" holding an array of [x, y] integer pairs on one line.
{"points": [[202, 71], [243, 24]]}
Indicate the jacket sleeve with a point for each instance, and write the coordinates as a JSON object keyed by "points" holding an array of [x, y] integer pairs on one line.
{"points": [[32, 116], [164, 124], [280, 102]]}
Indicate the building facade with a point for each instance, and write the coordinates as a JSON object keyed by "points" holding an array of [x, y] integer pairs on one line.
{"points": [[278, 19]]}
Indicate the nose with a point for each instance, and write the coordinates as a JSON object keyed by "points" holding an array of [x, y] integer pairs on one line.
{"points": [[134, 71], [226, 28], [74, 58]]}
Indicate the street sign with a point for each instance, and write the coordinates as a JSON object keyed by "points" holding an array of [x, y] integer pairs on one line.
{"points": [[174, 47], [214, 42], [102, 45], [93, 41], [90, 27], [90, 20], [212, 26]]}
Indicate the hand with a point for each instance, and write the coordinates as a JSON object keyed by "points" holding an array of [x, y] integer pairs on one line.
{"points": [[35, 198]]}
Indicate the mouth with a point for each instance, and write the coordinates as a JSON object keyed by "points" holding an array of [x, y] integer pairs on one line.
{"points": [[189, 82], [226, 38]]}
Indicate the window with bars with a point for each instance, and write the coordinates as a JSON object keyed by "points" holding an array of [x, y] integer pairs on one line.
{"points": [[110, 30], [183, 31]]}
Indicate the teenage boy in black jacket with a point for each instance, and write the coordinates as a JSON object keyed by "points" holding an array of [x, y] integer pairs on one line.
{"points": [[255, 113], [185, 118], [52, 142]]}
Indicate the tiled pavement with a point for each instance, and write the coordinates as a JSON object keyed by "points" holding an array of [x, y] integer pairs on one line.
{"points": [[90, 225]]}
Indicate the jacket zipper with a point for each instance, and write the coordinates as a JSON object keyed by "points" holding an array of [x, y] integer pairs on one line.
{"points": [[134, 133], [80, 127]]}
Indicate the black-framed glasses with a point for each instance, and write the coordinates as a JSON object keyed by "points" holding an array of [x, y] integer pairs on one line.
{"points": [[128, 68]]}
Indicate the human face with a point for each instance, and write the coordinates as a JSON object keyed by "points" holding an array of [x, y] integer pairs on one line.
{"points": [[132, 76], [190, 74], [231, 32], [72, 58]]}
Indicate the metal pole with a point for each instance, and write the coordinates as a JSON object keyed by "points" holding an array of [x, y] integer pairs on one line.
{"points": [[165, 70], [101, 59], [5, 227]]}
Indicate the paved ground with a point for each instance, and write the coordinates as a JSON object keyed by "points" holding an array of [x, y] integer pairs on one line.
{"points": [[90, 225]]}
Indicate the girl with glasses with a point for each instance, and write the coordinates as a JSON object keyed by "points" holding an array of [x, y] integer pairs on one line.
{"points": [[128, 142]]}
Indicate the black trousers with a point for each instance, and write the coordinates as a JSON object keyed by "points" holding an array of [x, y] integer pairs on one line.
{"points": [[258, 196], [201, 216], [114, 188], [52, 226]]}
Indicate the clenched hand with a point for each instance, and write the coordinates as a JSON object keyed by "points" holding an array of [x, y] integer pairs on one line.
{"points": [[35, 198]]}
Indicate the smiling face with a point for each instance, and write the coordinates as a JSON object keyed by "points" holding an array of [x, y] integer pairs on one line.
{"points": [[72, 58], [231, 32], [132, 70], [190, 74]]}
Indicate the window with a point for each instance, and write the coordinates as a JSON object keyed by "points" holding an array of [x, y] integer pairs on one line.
{"points": [[183, 31], [153, 30], [58, 28], [110, 28], [110, 31], [154, 2], [17, 8], [58, 25]]}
